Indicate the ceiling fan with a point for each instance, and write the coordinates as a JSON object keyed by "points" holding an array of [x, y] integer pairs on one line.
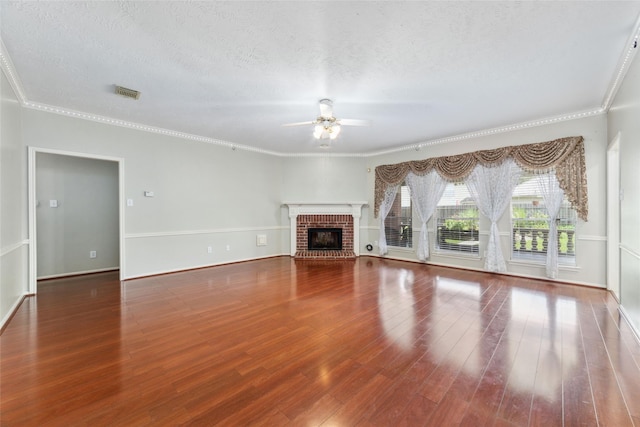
{"points": [[326, 126]]}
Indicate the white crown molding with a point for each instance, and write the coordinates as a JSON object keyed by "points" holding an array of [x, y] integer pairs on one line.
{"points": [[623, 66], [10, 71], [503, 129], [234, 146], [141, 127], [8, 68]]}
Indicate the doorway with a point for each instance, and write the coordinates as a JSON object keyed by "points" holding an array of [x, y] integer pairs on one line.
{"points": [[613, 216], [64, 217]]}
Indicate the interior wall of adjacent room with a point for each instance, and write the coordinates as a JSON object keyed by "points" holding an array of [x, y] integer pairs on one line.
{"points": [[14, 244], [591, 235], [624, 118], [84, 218], [205, 195]]}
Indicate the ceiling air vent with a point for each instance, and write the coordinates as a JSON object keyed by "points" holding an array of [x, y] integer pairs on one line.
{"points": [[129, 93]]}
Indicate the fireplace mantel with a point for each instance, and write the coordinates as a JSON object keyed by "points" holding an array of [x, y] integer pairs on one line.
{"points": [[325, 208]]}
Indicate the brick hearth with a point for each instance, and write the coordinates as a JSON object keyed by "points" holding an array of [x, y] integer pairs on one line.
{"points": [[325, 254]]}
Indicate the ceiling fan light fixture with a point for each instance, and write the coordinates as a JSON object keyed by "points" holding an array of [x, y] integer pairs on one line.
{"points": [[318, 131], [334, 131], [326, 125]]}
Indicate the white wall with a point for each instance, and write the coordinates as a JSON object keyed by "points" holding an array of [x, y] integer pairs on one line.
{"points": [[204, 194], [324, 179], [591, 236], [85, 219], [13, 207], [624, 117]]}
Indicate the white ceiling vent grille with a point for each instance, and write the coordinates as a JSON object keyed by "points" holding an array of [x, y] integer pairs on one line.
{"points": [[129, 93]]}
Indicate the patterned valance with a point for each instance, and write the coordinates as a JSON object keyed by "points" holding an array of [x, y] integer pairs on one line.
{"points": [[564, 155]]}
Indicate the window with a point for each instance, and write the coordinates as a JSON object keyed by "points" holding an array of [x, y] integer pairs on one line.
{"points": [[530, 225], [397, 225], [457, 221]]}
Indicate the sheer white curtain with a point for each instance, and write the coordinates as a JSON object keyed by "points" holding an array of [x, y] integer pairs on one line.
{"points": [[553, 196], [491, 189], [426, 191], [385, 207]]}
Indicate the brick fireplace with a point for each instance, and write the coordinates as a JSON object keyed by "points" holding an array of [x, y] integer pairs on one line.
{"points": [[343, 222], [343, 216]]}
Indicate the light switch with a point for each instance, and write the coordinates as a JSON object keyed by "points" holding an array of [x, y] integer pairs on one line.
{"points": [[148, 194], [53, 203]]}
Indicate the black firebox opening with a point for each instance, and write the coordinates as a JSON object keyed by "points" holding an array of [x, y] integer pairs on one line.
{"points": [[324, 239]]}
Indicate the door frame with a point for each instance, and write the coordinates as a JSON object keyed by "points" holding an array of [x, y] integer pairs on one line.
{"points": [[33, 232], [613, 216]]}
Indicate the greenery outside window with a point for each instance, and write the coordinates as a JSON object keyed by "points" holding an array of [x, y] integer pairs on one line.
{"points": [[398, 224], [456, 217], [530, 225]]}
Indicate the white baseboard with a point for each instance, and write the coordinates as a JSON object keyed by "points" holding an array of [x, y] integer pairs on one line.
{"points": [[12, 311], [481, 270], [78, 273], [196, 267], [627, 319]]}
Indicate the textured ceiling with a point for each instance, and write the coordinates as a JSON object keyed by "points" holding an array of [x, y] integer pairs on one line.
{"points": [[236, 71]]}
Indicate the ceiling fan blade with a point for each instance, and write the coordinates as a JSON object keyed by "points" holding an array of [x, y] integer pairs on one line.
{"points": [[326, 108], [354, 122], [300, 123]]}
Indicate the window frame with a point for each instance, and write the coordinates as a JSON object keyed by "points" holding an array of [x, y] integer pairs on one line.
{"points": [[405, 222], [473, 235], [567, 217]]}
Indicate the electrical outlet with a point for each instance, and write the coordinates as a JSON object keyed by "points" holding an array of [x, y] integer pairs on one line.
{"points": [[93, 254], [228, 248], [209, 250]]}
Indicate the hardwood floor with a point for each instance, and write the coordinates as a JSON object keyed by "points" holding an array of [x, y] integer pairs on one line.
{"points": [[283, 342]]}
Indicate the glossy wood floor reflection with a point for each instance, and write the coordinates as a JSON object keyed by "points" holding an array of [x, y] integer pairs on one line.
{"points": [[279, 342]]}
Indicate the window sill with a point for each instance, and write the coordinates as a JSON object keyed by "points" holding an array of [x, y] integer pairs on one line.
{"points": [[525, 263], [399, 248], [456, 255]]}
